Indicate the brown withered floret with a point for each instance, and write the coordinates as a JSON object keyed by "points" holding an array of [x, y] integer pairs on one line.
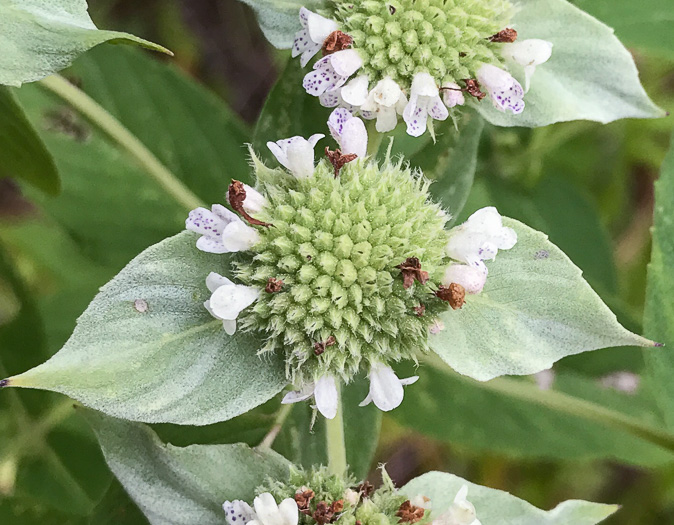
{"points": [[473, 88], [303, 499], [319, 348], [273, 285], [411, 270], [336, 41], [235, 196], [420, 310], [325, 513], [365, 489], [338, 159], [506, 36], [409, 513], [454, 294]]}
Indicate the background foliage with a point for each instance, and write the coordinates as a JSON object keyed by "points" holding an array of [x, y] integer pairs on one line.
{"points": [[590, 187]]}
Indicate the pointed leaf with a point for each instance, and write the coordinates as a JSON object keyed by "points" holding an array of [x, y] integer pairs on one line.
{"points": [[590, 76], [165, 359], [535, 309], [495, 507]]}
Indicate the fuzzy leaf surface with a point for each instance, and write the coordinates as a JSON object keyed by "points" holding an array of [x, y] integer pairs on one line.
{"points": [[182, 486], [590, 76], [496, 507], [535, 309], [172, 363], [41, 37]]}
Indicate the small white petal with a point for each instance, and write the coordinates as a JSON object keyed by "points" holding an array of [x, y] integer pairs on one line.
{"points": [[355, 92], [423, 85], [366, 401], [299, 395], [346, 62], [313, 140], [471, 278], [229, 300], [238, 237], [436, 109], [387, 119], [504, 91], [215, 281], [229, 326], [301, 159], [289, 511], [385, 388], [211, 245], [416, 116], [267, 510], [327, 398], [387, 92], [329, 99], [319, 27], [354, 138], [254, 201], [453, 96], [409, 380], [530, 52], [238, 512]]}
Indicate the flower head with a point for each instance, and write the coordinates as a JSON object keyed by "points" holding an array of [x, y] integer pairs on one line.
{"points": [[349, 132], [296, 154], [221, 230], [228, 300]]}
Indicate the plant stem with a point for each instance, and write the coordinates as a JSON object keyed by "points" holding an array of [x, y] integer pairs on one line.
{"points": [[109, 125], [374, 139], [281, 417], [335, 440]]}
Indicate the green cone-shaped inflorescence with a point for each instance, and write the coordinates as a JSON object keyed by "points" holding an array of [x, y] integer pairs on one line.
{"points": [[318, 493], [335, 244], [450, 39]]}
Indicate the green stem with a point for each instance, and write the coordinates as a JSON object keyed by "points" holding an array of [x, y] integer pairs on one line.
{"points": [[281, 417], [335, 440], [109, 125], [374, 139]]}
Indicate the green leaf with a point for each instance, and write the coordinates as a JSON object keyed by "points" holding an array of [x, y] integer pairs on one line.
{"points": [[306, 445], [183, 486], [647, 25], [168, 361], [495, 422], [280, 19], [41, 37], [111, 207], [22, 153], [495, 507], [535, 309], [659, 313], [116, 508], [590, 75]]}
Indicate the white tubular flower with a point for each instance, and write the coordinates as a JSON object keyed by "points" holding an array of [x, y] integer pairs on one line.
{"points": [[349, 132], [472, 277], [452, 95], [254, 201], [269, 513], [480, 237], [324, 392], [462, 511], [385, 102], [424, 102], [332, 71], [354, 92], [528, 54], [309, 40], [221, 230], [238, 512], [333, 99], [505, 92], [228, 300], [296, 154], [386, 389]]}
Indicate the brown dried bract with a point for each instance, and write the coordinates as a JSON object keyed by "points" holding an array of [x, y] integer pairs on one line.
{"points": [[409, 513], [336, 41], [338, 159], [273, 285], [454, 294], [303, 500], [320, 347], [365, 489], [325, 513], [473, 88], [235, 196], [411, 270], [420, 310], [506, 36]]}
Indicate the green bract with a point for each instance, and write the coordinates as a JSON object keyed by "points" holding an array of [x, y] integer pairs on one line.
{"points": [[335, 243], [449, 40]]}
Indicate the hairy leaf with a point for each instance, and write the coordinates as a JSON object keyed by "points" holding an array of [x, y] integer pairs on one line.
{"points": [[280, 19]]}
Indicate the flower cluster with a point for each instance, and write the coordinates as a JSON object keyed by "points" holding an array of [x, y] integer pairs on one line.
{"points": [[317, 498], [344, 266], [415, 58]]}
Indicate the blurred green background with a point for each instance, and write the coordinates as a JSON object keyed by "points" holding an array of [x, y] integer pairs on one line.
{"points": [[590, 187]]}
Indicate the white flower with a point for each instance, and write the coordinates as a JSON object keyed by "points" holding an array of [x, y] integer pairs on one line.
{"points": [[453, 95], [296, 154], [472, 277], [385, 102], [324, 392], [333, 99], [267, 512], [504, 90], [332, 71], [424, 102], [480, 237], [238, 512], [355, 92], [309, 40], [228, 300], [437, 327], [351, 497], [462, 511], [386, 390], [528, 54], [254, 201], [349, 132], [221, 230]]}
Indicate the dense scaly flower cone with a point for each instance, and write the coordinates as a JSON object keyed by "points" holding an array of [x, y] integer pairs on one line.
{"points": [[344, 266], [415, 58]]}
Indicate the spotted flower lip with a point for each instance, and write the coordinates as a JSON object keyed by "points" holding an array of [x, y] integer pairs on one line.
{"points": [[424, 103], [349, 132], [222, 231], [505, 91], [309, 40], [332, 71]]}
